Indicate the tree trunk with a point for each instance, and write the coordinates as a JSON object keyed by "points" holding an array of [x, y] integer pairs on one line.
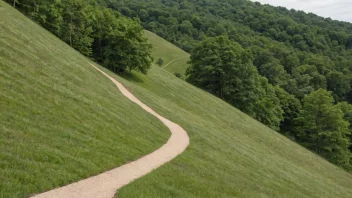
{"points": [[14, 3], [71, 32], [100, 48], [222, 82], [35, 6]]}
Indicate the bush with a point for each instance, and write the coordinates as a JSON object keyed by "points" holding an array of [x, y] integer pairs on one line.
{"points": [[160, 62], [178, 75]]}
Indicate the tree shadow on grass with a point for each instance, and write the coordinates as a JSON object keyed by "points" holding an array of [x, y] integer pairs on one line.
{"points": [[131, 77]]}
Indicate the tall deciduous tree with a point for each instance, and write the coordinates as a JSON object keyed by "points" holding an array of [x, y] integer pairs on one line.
{"points": [[322, 128], [95, 31], [123, 45], [225, 69], [291, 107], [77, 28]]}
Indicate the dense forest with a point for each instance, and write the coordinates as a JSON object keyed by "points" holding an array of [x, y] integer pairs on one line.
{"points": [[290, 70], [95, 31]]}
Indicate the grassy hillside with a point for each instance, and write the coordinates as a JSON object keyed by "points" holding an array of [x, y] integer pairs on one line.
{"points": [[230, 155], [60, 120], [175, 59]]}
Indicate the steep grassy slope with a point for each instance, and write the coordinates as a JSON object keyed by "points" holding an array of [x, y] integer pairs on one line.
{"points": [[230, 155], [175, 59], [60, 120]]}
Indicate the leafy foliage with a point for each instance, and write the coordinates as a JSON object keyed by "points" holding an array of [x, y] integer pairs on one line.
{"points": [[294, 53], [267, 61], [160, 62], [225, 69], [321, 127], [178, 75], [95, 31]]}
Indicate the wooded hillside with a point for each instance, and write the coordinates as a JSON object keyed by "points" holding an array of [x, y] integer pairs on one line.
{"points": [[296, 55]]}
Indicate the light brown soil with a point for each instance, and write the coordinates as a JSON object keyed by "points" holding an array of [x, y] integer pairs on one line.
{"points": [[106, 184]]}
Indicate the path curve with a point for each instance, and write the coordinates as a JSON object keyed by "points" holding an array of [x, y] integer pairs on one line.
{"points": [[173, 61], [106, 184]]}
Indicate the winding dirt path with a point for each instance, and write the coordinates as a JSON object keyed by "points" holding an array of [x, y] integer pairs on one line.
{"points": [[106, 184], [173, 61]]}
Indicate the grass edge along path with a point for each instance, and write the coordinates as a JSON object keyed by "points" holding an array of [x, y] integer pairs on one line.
{"points": [[106, 184], [231, 154], [60, 120]]}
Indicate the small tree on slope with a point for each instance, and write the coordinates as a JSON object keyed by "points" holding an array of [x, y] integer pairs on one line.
{"points": [[321, 127]]}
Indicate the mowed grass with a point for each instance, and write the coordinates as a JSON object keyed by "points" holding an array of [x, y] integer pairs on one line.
{"points": [[230, 154], [60, 119], [175, 59]]}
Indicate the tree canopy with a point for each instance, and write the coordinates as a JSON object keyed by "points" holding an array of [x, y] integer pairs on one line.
{"points": [[225, 69], [290, 70], [299, 52], [262, 59], [94, 30], [321, 127]]}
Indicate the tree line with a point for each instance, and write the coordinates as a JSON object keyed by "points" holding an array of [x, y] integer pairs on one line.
{"points": [[224, 68], [287, 69], [290, 70], [103, 34]]}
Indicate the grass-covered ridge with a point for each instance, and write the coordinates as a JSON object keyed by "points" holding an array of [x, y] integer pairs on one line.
{"points": [[60, 120], [175, 60]]}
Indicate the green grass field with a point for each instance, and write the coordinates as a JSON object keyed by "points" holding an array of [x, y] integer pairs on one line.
{"points": [[61, 121], [230, 154], [175, 59]]}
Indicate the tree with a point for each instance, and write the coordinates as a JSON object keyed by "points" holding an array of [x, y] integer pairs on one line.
{"points": [[274, 72], [160, 62], [291, 107], [268, 109], [94, 30], [178, 75], [127, 49], [215, 61], [339, 83], [225, 69], [321, 127], [48, 13], [77, 27], [347, 111], [186, 27]]}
